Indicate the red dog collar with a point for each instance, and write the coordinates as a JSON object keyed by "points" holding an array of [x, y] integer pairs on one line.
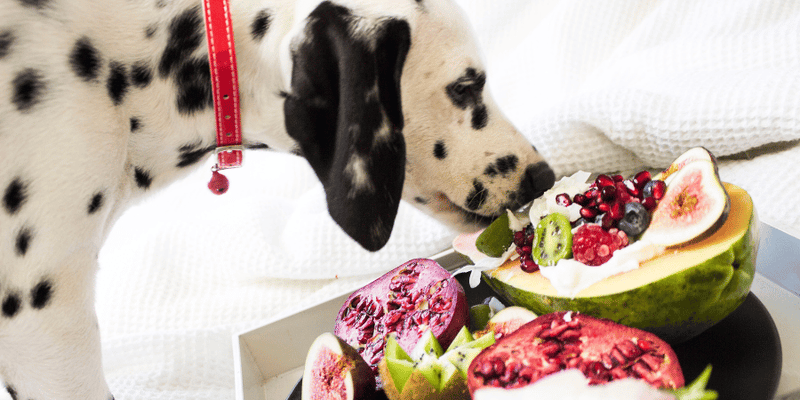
{"points": [[225, 88]]}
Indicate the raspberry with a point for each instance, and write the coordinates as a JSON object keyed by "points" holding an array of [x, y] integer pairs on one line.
{"points": [[593, 246]]}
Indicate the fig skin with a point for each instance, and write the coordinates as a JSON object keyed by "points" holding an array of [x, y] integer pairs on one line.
{"points": [[329, 354]]}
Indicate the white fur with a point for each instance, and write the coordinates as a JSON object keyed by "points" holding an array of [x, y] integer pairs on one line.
{"points": [[76, 141]]}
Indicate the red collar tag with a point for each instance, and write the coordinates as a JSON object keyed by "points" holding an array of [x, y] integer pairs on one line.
{"points": [[225, 88]]}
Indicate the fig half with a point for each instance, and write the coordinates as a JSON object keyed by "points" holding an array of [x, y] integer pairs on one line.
{"points": [[335, 370], [694, 206]]}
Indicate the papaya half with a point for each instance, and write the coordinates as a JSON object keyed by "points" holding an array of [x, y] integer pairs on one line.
{"points": [[675, 295]]}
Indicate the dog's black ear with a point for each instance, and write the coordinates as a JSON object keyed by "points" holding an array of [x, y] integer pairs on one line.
{"points": [[344, 110]]}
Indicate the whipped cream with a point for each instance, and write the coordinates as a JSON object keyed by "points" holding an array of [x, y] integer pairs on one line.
{"points": [[569, 277]]}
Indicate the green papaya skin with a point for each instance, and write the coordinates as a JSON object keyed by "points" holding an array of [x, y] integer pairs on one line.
{"points": [[677, 307]]}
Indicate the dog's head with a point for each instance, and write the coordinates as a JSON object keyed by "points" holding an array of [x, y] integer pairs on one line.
{"points": [[388, 99]]}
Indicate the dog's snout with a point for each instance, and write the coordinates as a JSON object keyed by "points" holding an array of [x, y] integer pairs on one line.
{"points": [[538, 178]]}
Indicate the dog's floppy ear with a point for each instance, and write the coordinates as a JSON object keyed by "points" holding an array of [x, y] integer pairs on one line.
{"points": [[344, 110]]}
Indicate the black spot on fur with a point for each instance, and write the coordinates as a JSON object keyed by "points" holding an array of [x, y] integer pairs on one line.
{"points": [[193, 80], [150, 31], [39, 4], [95, 203], [143, 178], [260, 24], [15, 195], [507, 164], [85, 59], [490, 170], [117, 84], [136, 124], [141, 75], [192, 153], [23, 241], [12, 392], [10, 306], [6, 40], [480, 117], [421, 200], [40, 294], [477, 197], [439, 150], [185, 35], [28, 87]]}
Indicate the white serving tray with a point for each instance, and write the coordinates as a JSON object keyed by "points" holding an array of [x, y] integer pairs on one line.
{"points": [[268, 360]]}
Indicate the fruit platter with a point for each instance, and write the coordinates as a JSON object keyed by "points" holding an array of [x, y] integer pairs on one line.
{"points": [[610, 283]]}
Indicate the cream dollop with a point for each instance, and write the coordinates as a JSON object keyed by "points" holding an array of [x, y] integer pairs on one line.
{"points": [[569, 277]]}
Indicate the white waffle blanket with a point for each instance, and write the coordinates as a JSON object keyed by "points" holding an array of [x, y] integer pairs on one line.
{"points": [[597, 85]]}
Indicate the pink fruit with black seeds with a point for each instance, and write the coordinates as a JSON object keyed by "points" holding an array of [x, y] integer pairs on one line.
{"points": [[409, 299]]}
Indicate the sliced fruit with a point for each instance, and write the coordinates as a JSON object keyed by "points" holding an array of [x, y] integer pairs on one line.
{"points": [[496, 238], [429, 373], [694, 205], [691, 155], [553, 239], [335, 370], [676, 295], [602, 350], [506, 321], [416, 296]]}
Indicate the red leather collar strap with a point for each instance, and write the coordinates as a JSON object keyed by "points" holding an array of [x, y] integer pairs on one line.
{"points": [[225, 88]]}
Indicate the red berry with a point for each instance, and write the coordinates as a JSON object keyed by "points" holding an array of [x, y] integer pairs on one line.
{"points": [[604, 180], [592, 245], [563, 200], [641, 179]]}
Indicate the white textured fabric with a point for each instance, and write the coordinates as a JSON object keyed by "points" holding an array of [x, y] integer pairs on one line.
{"points": [[597, 85]]}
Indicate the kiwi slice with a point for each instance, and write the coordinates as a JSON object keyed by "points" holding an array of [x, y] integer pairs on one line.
{"points": [[553, 239], [496, 238]]}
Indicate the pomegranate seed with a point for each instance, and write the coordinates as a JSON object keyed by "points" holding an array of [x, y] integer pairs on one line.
{"points": [[644, 345], [498, 367], [592, 193], [608, 193], [563, 200], [629, 349], [659, 188], [570, 335], [604, 180], [550, 349], [606, 222], [529, 266], [580, 199], [603, 207], [631, 188], [649, 203], [618, 178], [588, 213], [641, 179], [617, 211], [652, 361]]}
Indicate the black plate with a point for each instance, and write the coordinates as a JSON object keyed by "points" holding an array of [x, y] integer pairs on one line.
{"points": [[744, 350]]}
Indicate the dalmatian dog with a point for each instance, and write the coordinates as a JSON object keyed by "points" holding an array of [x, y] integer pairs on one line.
{"points": [[103, 102]]}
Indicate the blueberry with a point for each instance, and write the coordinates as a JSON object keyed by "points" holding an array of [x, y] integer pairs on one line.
{"points": [[636, 219]]}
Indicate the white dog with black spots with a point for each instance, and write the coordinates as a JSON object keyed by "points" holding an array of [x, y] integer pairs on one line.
{"points": [[102, 102]]}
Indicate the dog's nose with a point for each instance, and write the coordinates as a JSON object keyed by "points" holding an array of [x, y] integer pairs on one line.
{"points": [[538, 178]]}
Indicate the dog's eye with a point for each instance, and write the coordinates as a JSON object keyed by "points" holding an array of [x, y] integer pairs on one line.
{"points": [[466, 90]]}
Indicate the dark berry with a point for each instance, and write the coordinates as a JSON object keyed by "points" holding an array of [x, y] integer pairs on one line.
{"points": [[636, 219]]}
